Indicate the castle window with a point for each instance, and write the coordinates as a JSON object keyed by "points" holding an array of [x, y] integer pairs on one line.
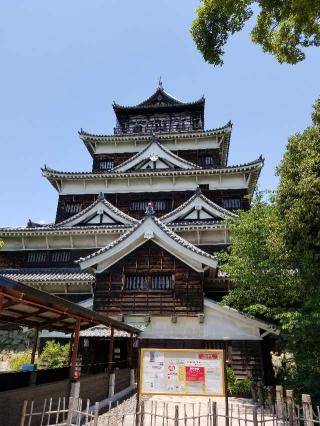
{"points": [[106, 165], [159, 205], [206, 161], [232, 203], [60, 256], [161, 282], [148, 282], [137, 128], [37, 257], [72, 208], [136, 206], [136, 282]]}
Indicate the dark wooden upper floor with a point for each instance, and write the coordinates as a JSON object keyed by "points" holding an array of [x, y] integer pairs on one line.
{"points": [[149, 281], [135, 204], [206, 158]]}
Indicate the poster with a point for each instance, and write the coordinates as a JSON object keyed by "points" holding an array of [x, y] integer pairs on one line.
{"points": [[182, 372]]}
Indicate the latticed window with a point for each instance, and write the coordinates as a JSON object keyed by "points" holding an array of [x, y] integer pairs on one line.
{"points": [[161, 282], [148, 282], [136, 282], [159, 205], [206, 161], [107, 164], [37, 257], [232, 203], [72, 208], [60, 256]]}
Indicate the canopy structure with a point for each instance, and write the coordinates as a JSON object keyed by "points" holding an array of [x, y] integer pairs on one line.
{"points": [[25, 306]]}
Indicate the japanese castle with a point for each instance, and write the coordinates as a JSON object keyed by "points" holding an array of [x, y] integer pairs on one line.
{"points": [[137, 237]]}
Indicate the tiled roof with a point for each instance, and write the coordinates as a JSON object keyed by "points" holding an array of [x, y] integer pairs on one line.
{"points": [[102, 331], [123, 137], [55, 229], [160, 98], [163, 227], [48, 172], [32, 275]]}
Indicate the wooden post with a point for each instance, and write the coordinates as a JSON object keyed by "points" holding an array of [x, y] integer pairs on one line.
{"points": [[214, 413], [226, 397], [270, 396], [260, 393], [290, 406], [130, 351], [279, 401], [1, 301], [110, 354], [23, 412], [34, 346], [75, 348], [307, 409], [255, 416], [142, 414], [96, 414], [254, 391], [176, 415]]}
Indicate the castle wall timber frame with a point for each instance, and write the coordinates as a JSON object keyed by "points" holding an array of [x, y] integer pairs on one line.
{"points": [[186, 298]]}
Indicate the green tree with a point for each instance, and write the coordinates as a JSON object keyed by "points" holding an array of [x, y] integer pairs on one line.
{"points": [[274, 259], [54, 355], [298, 201], [259, 264], [283, 28]]}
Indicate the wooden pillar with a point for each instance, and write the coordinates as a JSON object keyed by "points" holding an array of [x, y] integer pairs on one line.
{"points": [[75, 347], [130, 350], [1, 300], [34, 346], [110, 354]]}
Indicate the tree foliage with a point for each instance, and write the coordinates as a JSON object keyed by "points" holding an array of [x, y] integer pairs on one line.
{"points": [[258, 262], [274, 259], [283, 28], [54, 355]]}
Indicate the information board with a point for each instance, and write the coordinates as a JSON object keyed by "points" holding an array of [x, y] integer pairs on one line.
{"points": [[182, 372]]}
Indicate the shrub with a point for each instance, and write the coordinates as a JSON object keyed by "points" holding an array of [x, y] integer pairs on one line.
{"points": [[15, 364], [54, 355], [240, 388]]}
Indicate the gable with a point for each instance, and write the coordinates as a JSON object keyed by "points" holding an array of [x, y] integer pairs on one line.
{"points": [[155, 157], [149, 229], [100, 212], [198, 208]]}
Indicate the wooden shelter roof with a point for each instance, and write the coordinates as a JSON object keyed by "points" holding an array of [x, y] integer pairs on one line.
{"points": [[26, 306]]}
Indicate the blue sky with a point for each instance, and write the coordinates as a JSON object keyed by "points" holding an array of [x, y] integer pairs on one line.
{"points": [[64, 62]]}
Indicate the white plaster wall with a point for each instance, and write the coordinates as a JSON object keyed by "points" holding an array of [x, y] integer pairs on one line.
{"points": [[216, 326], [210, 142], [143, 184]]}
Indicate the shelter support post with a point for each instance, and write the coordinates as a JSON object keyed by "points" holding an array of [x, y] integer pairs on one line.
{"points": [[110, 354], [130, 350], [75, 346], [34, 346]]}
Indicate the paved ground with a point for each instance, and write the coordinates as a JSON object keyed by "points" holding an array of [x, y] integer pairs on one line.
{"points": [[189, 407]]}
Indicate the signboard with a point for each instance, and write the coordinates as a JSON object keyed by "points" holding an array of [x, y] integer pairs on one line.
{"points": [[182, 372]]}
